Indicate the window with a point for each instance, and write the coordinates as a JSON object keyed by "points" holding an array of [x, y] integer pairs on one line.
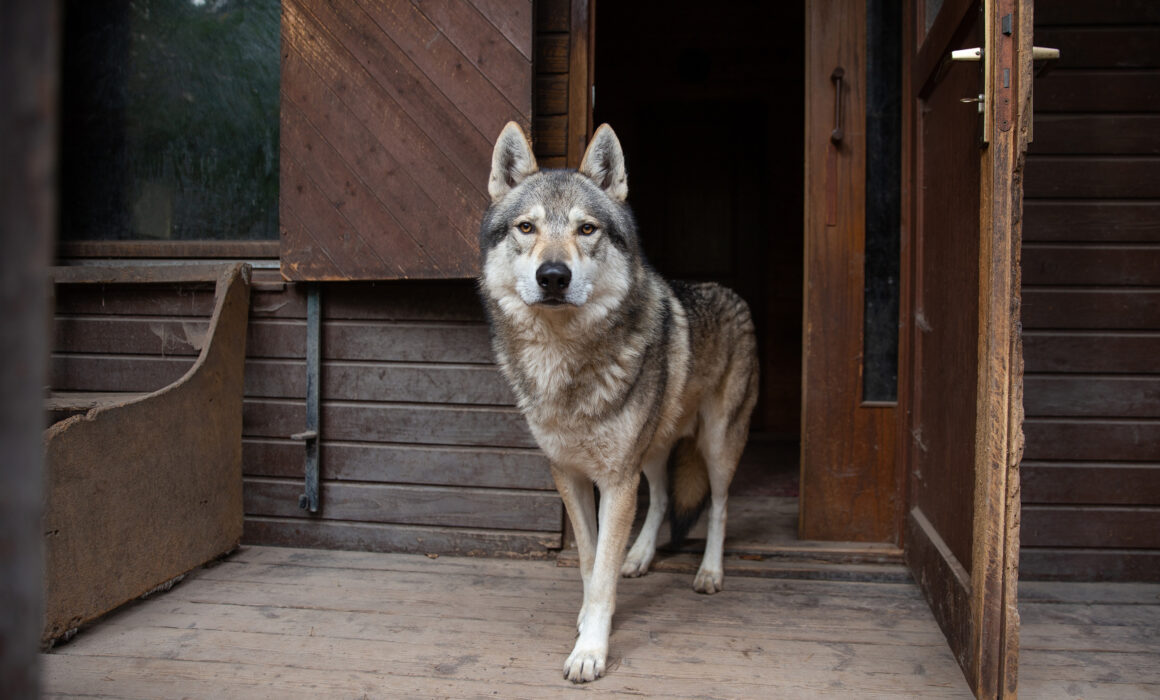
{"points": [[169, 120]]}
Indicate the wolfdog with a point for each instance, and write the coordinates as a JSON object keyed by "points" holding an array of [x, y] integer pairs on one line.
{"points": [[613, 367]]}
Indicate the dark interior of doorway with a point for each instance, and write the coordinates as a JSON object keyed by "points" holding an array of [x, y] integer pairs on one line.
{"points": [[708, 104]]}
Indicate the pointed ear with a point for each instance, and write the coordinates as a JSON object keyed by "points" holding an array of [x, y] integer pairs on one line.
{"points": [[511, 161], [603, 163]]}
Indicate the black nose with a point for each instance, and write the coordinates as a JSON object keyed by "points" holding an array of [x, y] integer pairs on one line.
{"points": [[554, 277]]}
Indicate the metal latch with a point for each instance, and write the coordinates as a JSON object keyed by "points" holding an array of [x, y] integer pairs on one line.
{"points": [[309, 500]]}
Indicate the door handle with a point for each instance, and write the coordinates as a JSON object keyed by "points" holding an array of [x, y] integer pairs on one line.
{"points": [[1038, 53], [976, 54], [836, 78]]}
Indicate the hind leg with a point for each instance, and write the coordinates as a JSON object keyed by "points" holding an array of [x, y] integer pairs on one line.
{"points": [[721, 447], [641, 555]]}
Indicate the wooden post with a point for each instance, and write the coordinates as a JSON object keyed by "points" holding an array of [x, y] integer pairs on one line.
{"points": [[28, 72]]}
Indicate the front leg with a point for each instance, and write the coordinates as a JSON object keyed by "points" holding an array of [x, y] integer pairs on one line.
{"points": [[576, 492], [617, 508]]}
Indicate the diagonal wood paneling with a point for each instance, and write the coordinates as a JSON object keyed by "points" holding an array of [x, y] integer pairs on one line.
{"points": [[389, 111]]}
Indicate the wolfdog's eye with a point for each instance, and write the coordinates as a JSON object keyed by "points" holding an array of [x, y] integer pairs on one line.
{"points": [[587, 229], [525, 227]]}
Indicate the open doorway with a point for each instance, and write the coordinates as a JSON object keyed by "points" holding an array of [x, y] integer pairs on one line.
{"points": [[709, 108]]}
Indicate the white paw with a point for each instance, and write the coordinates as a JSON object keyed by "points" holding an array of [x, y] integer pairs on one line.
{"points": [[585, 664], [709, 581], [635, 565]]}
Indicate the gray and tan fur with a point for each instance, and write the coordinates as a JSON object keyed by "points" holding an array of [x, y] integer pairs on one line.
{"points": [[612, 366]]}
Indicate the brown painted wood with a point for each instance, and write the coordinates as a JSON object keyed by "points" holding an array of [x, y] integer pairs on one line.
{"points": [[1093, 307], [369, 340], [483, 43], [580, 79], [1102, 177], [1093, 438], [963, 452], [451, 301], [441, 384], [1088, 483], [348, 182], [422, 344], [382, 537], [138, 274], [1071, 564], [420, 505], [389, 112], [444, 384], [1091, 265], [1081, 12], [553, 15], [1096, 352], [1135, 134], [550, 136], [248, 250], [1104, 396], [552, 53], [391, 144], [406, 423], [513, 18], [404, 464], [1097, 91], [1113, 527], [1097, 221], [1103, 47], [551, 94], [1080, 308], [847, 449]]}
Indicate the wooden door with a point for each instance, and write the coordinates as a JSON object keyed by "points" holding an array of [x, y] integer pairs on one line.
{"points": [[850, 487], [963, 399]]}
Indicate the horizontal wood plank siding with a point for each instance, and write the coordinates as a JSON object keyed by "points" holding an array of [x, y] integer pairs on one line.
{"points": [[551, 67], [1091, 312], [497, 509], [422, 448]]}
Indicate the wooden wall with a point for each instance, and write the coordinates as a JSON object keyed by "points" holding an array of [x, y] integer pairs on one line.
{"points": [[561, 69], [1091, 296], [422, 450]]}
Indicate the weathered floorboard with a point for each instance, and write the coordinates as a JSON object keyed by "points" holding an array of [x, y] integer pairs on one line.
{"points": [[282, 623], [289, 623]]}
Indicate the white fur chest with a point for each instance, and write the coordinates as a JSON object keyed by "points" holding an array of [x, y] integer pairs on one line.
{"points": [[572, 397]]}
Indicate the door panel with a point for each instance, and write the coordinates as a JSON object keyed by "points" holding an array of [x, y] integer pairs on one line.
{"points": [[963, 438], [389, 112], [849, 478]]}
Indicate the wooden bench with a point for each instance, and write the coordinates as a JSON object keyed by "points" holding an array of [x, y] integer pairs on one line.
{"points": [[140, 488]]}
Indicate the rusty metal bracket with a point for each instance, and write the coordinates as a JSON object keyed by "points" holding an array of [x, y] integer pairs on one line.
{"points": [[312, 436]]}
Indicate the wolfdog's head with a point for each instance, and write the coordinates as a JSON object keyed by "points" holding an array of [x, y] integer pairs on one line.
{"points": [[557, 241]]}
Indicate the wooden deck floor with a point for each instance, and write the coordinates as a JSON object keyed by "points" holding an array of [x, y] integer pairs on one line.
{"points": [[285, 623]]}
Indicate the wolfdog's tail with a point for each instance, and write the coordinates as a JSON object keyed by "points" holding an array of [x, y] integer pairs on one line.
{"points": [[688, 489]]}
